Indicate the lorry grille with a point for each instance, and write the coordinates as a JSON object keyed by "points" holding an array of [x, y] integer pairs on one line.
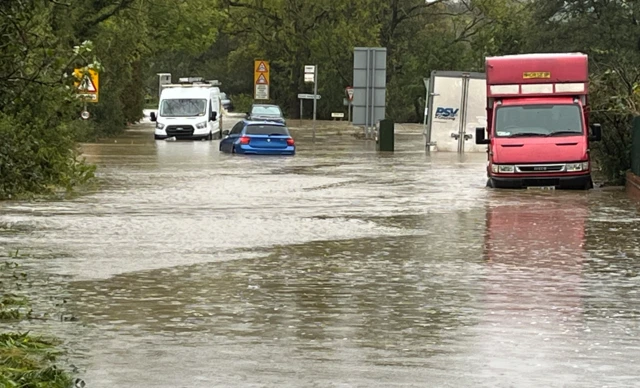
{"points": [[180, 130], [541, 168]]}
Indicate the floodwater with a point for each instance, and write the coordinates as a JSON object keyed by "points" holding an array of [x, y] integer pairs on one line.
{"points": [[338, 267]]}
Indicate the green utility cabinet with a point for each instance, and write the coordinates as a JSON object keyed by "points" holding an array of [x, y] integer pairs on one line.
{"points": [[386, 135]]}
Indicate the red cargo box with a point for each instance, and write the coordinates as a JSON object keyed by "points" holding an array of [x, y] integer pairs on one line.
{"points": [[537, 68]]}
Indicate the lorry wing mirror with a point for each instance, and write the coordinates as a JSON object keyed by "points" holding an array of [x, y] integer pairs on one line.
{"points": [[596, 132], [153, 117], [480, 139]]}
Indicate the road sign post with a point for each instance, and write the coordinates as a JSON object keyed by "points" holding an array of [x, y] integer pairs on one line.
{"points": [[87, 84], [315, 101], [369, 80], [261, 80], [163, 79], [349, 91], [311, 75]]}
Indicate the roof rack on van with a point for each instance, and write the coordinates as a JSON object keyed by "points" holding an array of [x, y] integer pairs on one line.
{"points": [[197, 82]]}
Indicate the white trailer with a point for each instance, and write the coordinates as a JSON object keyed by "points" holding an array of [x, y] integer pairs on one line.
{"points": [[457, 105]]}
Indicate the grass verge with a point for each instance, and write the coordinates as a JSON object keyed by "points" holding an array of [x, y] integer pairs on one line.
{"points": [[26, 360]]}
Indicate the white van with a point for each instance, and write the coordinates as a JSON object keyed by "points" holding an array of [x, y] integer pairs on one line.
{"points": [[188, 111]]}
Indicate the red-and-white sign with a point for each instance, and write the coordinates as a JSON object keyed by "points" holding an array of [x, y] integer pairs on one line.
{"points": [[349, 93]]}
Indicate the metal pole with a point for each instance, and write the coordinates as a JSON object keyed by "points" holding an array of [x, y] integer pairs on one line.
{"points": [[349, 112], [315, 100], [301, 100], [366, 98], [463, 113], [426, 104], [373, 93]]}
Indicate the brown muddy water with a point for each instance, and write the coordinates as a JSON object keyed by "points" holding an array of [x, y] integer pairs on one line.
{"points": [[337, 267]]}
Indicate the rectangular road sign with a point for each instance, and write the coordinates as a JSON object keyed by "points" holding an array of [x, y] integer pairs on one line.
{"points": [[309, 69], [337, 115], [261, 92], [88, 85], [308, 96], [261, 80]]}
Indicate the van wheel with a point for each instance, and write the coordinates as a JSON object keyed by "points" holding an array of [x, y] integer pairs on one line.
{"points": [[210, 137]]}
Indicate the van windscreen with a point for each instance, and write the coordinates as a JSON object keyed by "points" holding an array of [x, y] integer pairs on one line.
{"points": [[183, 107]]}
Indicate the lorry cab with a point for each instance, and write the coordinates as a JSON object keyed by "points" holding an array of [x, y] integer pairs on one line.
{"points": [[538, 131], [188, 110]]}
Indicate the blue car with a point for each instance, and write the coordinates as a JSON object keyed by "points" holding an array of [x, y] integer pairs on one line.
{"points": [[258, 138]]}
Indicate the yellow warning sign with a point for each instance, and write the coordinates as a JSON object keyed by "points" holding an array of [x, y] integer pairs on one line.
{"points": [[261, 80], [88, 86], [536, 74], [262, 67]]}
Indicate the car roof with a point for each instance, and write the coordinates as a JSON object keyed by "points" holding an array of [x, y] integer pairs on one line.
{"points": [[277, 106], [264, 122]]}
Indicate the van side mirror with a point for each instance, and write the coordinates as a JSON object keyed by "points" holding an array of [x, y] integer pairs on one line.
{"points": [[214, 115], [596, 132], [480, 139], [153, 117]]}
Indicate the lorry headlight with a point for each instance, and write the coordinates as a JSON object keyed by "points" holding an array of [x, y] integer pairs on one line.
{"points": [[201, 125], [159, 126], [572, 167], [503, 168]]}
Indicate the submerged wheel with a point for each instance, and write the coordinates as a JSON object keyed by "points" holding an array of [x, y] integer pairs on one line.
{"points": [[490, 183]]}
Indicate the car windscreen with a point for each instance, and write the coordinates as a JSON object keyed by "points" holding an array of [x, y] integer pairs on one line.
{"points": [[183, 107], [538, 120], [265, 110], [267, 130]]}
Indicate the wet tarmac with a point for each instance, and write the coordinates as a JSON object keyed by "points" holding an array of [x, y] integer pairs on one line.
{"points": [[338, 267]]}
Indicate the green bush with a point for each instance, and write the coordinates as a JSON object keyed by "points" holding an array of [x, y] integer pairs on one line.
{"points": [[25, 360], [37, 158], [242, 102]]}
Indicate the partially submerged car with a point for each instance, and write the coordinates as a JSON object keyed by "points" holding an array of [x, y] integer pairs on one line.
{"points": [[258, 138], [266, 112]]}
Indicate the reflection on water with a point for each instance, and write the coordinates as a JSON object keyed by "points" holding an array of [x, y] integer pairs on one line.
{"points": [[337, 267]]}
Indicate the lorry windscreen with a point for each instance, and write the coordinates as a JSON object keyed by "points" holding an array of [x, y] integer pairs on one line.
{"points": [[538, 120], [183, 107]]}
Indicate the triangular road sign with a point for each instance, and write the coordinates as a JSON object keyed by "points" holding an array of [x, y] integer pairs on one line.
{"points": [[262, 68], [350, 93], [261, 79], [87, 85]]}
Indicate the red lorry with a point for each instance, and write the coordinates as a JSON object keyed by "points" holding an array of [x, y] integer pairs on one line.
{"points": [[538, 130]]}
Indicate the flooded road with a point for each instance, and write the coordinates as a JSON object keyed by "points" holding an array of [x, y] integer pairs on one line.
{"points": [[337, 267]]}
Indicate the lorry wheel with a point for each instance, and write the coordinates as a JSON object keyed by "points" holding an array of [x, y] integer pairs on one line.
{"points": [[588, 185]]}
